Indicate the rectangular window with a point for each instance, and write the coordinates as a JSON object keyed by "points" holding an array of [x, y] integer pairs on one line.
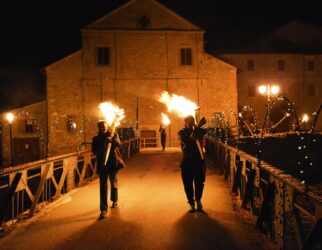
{"points": [[281, 65], [29, 126], [250, 65], [186, 56], [310, 65], [251, 91], [311, 90], [103, 56]]}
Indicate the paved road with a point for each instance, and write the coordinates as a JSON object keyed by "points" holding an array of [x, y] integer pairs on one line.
{"points": [[152, 214]]}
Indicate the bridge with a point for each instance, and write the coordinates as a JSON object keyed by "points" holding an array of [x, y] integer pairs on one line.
{"points": [[61, 210]]}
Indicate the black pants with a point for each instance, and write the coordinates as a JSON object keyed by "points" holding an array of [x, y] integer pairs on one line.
{"points": [[193, 177], [112, 175], [163, 140]]}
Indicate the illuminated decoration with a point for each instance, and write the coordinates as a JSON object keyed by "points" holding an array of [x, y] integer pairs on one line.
{"points": [[10, 117], [305, 118], [247, 119], [280, 121], [179, 105], [165, 119], [113, 116]]}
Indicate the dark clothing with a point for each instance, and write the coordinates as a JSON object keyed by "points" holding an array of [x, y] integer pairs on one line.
{"points": [[163, 137], [99, 148], [112, 175], [192, 166]]}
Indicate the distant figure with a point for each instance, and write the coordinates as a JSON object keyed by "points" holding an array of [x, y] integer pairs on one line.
{"points": [[99, 148], [163, 136], [193, 167]]}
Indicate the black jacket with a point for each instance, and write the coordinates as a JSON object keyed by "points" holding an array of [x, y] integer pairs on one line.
{"points": [[99, 148], [189, 146]]}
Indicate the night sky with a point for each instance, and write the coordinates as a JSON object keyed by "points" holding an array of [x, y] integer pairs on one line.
{"points": [[36, 33]]}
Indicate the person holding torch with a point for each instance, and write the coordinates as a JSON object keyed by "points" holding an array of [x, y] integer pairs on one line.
{"points": [[193, 168], [109, 160]]}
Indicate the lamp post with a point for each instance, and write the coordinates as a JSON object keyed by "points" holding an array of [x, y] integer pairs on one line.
{"points": [[10, 117], [269, 91]]}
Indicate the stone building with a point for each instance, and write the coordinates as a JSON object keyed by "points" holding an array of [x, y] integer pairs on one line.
{"points": [[290, 57], [130, 56], [28, 135]]}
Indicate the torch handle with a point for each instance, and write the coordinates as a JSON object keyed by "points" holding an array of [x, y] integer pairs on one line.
{"points": [[200, 149], [109, 145]]}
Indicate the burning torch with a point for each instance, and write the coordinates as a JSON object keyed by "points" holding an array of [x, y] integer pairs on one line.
{"points": [[183, 108], [113, 116], [165, 119]]}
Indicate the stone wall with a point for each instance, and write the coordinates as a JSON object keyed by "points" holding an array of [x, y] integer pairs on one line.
{"points": [[36, 114]]}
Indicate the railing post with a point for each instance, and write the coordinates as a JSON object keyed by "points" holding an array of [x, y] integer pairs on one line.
{"points": [[10, 195]]}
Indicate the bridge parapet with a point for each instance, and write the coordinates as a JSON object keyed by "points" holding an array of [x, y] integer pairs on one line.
{"points": [[29, 187], [288, 214]]}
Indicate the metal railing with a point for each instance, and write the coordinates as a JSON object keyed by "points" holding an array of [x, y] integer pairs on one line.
{"points": [[29, 187], [148, 142], [284, 211]]}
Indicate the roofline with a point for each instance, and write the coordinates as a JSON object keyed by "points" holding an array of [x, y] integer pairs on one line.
{"points": [[154, 1], [21, 107], [142, 30], [112, 12], [48, 67], [222, 61], [175, 14]]}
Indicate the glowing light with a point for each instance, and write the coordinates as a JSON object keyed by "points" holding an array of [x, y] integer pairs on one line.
{"points": [[165, 119], [178, 104], [305, 118], [10, 117], [262, 89], [112, 113], [275, 89], [74, 125]]}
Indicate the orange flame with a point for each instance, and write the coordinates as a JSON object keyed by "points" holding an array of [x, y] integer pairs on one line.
{"points": [[165, 119], [112, 113], [178, 104]]}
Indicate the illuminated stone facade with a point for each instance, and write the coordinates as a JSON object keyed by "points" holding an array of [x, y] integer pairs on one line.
{"points": [[144, 42], [29, 135]]}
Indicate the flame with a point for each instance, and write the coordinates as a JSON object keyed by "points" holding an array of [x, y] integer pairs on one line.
{"points": [[112, 113], [178, 104], [165, 119]]}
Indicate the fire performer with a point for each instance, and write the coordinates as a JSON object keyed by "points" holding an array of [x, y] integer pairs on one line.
{"points": [[166, 121], [109, 160], [193, 168], [163, 136]]}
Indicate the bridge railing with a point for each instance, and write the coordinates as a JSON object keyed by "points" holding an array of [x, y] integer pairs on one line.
{"points": [[29, 187], [289, 215]]}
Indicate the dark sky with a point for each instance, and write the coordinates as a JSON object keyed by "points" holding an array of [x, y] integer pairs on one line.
{"points": [[35, 33]]}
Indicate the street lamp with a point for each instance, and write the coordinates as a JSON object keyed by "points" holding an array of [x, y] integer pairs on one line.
{"points": [[269, 91], [10, 117]]}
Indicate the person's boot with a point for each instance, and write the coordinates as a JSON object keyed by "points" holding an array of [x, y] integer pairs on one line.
{"points": [[199, 206], [192, 208], [114, 204], [103, 215]]}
